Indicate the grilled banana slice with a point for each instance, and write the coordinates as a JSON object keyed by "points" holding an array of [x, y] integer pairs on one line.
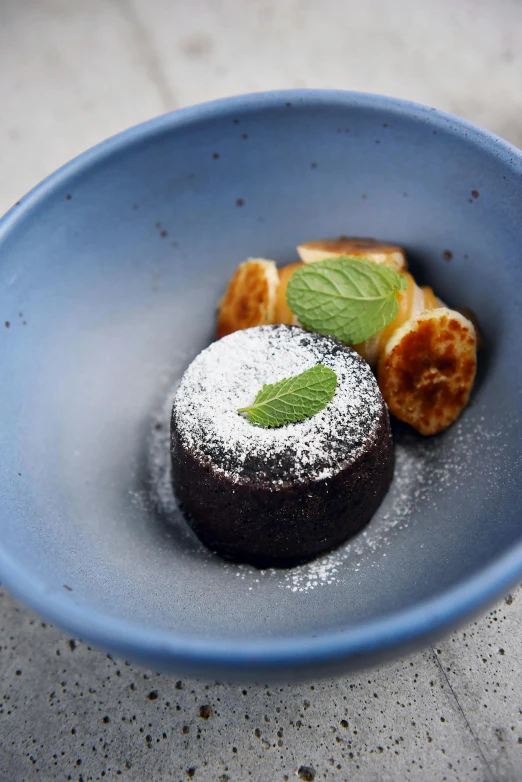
{"points": [[470, 315], [426, 370], [412, 301], [283, 313], [431, 302], [357, 248], [250, 298]]}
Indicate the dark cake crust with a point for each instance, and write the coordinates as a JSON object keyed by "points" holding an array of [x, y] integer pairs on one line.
{"points": [[282, 526]]}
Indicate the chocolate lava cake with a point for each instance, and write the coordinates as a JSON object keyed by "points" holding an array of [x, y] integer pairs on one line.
{"points": [[276, 497]]}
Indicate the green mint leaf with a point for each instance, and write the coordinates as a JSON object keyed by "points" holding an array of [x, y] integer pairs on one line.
{"points": [[348, 298], [292, 399]]}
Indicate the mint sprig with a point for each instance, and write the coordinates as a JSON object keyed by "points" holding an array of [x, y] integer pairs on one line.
{"points": [[348, 298], [292, 399]]}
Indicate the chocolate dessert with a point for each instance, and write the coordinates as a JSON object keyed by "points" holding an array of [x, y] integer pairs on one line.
{"points": [[278, 496]]}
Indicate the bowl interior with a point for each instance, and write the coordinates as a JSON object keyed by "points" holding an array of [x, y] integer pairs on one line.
{"points": [[109, 278]]}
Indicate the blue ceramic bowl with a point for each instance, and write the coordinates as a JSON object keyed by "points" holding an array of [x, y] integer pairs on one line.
{"points": [[109, 275]]}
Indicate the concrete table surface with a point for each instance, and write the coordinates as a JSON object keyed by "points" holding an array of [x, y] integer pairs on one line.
{"points": [[73, 73]]}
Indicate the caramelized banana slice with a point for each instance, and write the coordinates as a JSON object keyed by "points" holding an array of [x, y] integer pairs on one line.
{"points": [[283, 313], [412, 301], [470, 315], [431, 302], [250, 298], [375, 251], [427, 369]]}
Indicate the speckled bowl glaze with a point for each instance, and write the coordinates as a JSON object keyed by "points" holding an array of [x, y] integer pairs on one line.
{"points": [[109, 275]]}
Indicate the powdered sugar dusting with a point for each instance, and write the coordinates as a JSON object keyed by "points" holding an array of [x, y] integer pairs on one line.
{"points": [[422, 475], [404, 492], [228, 375], [159, 466]]}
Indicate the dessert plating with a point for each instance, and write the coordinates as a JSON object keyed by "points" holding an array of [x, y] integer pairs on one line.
{"points": [[277, 497]]}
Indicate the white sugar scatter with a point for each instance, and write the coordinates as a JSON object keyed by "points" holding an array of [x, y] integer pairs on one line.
{"points": [[425, 469], [160, 492], [421, 475], [228, 375], [159, 458], [330, 567]]}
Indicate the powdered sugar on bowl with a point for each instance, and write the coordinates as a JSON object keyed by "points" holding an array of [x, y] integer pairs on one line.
{"points": [[228, 375], [412, 459], [423, 473]]}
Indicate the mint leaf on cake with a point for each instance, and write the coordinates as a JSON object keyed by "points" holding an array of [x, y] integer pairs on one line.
{"points": [[293, 399]]}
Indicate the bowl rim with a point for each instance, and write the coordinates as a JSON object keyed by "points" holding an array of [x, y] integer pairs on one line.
{"points": [[378, 636]]}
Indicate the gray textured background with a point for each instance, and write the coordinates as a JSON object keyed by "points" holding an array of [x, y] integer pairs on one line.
{"points": [[72, 73]]}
